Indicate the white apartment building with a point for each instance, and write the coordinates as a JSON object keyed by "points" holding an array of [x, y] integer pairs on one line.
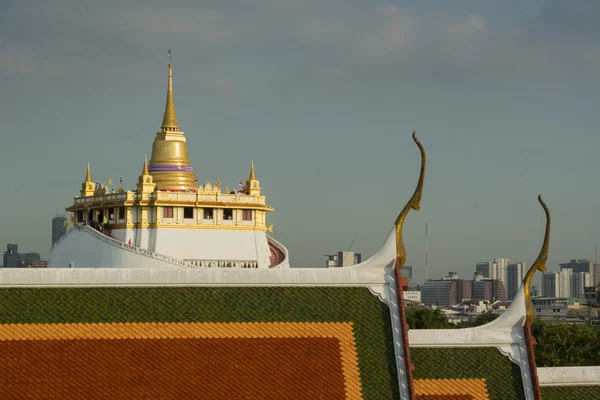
{"points": [[496, 269], [564, 282]]}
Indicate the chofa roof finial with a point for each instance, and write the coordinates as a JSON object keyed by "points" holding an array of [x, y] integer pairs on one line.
{"points": [[414, 203], [539, 264]]}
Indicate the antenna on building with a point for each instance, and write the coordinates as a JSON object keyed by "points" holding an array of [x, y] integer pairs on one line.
{"points": [[426, 276]]}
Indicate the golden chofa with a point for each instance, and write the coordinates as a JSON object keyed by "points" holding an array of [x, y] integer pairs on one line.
{"points": [[539, 264], [413, 204], [169, 164]]}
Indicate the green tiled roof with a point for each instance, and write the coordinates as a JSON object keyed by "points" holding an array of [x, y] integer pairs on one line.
{"points": [[502, 377], [370, 319], [571, 392]]}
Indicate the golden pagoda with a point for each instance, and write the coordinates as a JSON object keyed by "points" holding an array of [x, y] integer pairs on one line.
{"points": [[169, 165], [169, 219]]}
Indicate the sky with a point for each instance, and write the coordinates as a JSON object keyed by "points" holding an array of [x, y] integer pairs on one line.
{"points": [[323, 95]]}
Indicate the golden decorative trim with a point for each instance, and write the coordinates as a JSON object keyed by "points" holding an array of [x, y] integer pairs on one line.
{"points": [[539, 264], [219, 227], [413, 203], [146, 203]]}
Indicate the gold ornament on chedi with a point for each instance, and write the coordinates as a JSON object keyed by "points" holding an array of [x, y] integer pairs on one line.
{"points": [[169, 164]]}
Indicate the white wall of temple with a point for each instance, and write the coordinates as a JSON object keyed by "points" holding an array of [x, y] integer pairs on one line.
{"points": [[213, 244], [82, 250], [120, 234], [569, 376], [200, 244]]}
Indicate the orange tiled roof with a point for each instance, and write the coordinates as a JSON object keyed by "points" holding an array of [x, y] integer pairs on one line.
{"points": [[207, 343]]}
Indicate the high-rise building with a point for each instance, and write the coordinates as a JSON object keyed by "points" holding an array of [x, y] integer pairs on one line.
{"points": [[564, 282], [496, 269], [14, 259], [550, 284], [59, 228], [577, 266], [487, 289], [26, 259], [499, 269], [579, 282], [536, 291], [11, 256], [583, 265], [484, 269], [343, 259], [516, 273], [447, 291]]}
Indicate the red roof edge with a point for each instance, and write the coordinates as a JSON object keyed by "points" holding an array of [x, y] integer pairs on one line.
{"points": [[404, 333], [535, 382]]}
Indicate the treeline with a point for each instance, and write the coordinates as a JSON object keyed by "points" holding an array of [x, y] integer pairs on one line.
{"points": [[557, 344]]}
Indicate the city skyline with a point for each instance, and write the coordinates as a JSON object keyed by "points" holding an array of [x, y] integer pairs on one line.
{"points": [[502, 97]]}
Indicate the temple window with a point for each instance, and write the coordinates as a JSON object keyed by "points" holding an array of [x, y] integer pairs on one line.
{"points": [[188, 212], [208, 213], [247, 215], [121, 212], [111, 213], [167, 212], [227, 213]]}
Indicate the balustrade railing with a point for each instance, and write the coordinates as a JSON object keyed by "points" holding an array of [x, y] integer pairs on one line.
{"points": [[223, 263]]}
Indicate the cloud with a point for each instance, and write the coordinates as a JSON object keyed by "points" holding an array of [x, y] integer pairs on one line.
{"points": [[22, 62], [222, 87], [352, 37]]}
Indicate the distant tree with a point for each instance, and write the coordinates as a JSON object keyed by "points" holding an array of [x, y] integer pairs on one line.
{"points": [[482, 319], [563, 344], [428, 318], [485, 317]]}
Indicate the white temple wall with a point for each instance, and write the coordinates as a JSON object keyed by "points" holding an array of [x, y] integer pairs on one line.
{"points": [[143, 238], [124, 235], [569, 376], [119, 234], [215, 244], [82, 250]]}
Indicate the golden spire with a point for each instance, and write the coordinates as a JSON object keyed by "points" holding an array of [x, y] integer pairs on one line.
{"points": [[252, 176], [88, 187], [539, 264], [169, 164], [88, 174], [170, 118], [414, 203], [145, 169]]}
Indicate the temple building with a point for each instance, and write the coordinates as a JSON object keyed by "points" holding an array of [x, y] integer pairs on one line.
{"points": [[169, 220], [284, 334]]}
